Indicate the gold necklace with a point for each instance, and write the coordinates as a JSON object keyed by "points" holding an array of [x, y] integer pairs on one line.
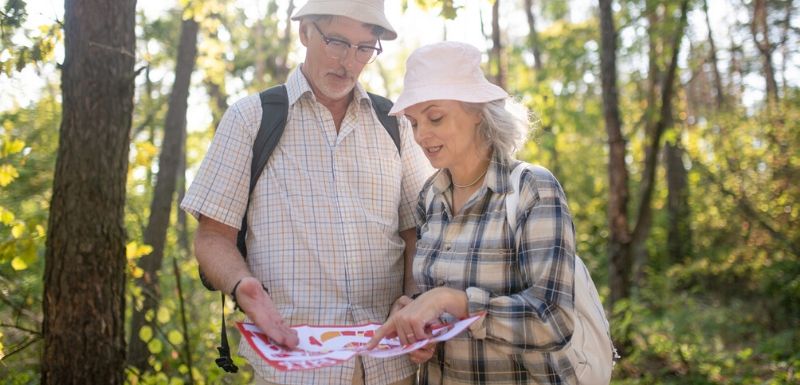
{"points": [[472, 183]]}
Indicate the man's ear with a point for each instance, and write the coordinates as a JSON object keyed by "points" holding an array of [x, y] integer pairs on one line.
{"points": [[304, 33]]}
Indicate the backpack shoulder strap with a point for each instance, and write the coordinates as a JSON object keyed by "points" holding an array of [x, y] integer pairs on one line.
{"points": [[274, 111], [512, 198], [382, 106]]}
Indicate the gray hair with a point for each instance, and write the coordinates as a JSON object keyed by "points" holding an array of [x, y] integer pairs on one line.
{"points": [[505, 124]]}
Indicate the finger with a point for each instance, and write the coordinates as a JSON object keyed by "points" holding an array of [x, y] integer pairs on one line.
{"points": [[419, 330], [379, 334], [404, 300], [405, 335], [400, 303]]}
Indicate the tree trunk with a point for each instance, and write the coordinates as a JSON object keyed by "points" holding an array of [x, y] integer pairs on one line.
{"points": [[619, 252], [163, 195], [759, 27], [720, 95], [665, 120], [85, 262], [679, 233], [533, 36], [497, 47], [184, 244]]}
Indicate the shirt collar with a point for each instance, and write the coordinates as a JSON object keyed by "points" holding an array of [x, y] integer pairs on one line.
{"points": [[496, 177], [297, 85]]}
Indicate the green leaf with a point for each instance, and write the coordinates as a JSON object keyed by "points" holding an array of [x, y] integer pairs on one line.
{"points": [[18, 230], [145, 333], [7, 174], [12, 147], [155, 346], [6, 216], [175, 337], [18, 264], [163, 315]]}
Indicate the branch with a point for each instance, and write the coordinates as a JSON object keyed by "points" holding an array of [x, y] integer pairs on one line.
{"points": [[29, 331], [746, 208], [122, 51], [21, 347]]}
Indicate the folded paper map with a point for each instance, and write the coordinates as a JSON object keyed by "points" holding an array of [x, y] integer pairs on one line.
{"points": [[322, 346]]}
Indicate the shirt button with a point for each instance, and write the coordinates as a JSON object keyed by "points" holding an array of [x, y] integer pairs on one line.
{"points": [[448, 246]]}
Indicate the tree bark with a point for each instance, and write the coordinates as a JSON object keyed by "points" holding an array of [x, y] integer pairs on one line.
{"points": [[759, 27], [720, 94], [665, 120], [85, 262], [533, 35], [619, 252], [163, 195], [497, 47], [679, 233]]}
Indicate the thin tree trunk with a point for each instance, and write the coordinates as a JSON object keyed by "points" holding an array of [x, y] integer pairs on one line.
{"points": [[85, 263], [163, 196], [759, 27], [259, 54], [619, 242], [219, 100], [645, 211], [679, 233], [497, 46], [183, 228], [720, 94], [533, 36]]}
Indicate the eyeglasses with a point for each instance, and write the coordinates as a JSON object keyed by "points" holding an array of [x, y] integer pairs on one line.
{"points": [[338, 49]]}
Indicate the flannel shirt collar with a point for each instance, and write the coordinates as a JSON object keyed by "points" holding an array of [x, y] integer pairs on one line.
{"points": [[297, 85], [496, 177]]}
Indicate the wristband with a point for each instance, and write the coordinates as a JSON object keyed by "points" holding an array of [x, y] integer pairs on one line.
{"points": [[233, 293]]}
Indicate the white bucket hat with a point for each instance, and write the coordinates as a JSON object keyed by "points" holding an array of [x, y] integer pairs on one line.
{"points": [[365, 11], [445, 71]]}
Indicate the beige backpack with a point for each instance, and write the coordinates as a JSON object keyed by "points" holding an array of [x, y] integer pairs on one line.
{"points": [[590, 350]]}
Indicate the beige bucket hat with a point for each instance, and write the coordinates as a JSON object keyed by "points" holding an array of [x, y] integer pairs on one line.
{"points": [[445, 71], [365, 11]]}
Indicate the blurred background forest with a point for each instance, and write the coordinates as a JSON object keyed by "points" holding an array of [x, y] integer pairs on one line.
{"points": [[682, 170]]}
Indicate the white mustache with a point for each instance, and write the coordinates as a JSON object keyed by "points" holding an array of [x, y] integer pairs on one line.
{"points": [[344, 74]]}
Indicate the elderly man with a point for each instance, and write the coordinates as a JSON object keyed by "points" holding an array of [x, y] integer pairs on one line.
{"points": [[330, 223]]}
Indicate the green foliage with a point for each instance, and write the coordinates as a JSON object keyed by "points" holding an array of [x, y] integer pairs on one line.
{"points": [[22, 46], [728, 314], [28, 142]]}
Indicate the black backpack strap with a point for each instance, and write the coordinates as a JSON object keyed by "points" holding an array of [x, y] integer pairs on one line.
{"points": [[382, 106], [274, 112]]}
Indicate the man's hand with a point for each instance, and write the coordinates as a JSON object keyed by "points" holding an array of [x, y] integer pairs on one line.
{"points": [[215, 247], [423, 354], [258, 306], [400, 303]]}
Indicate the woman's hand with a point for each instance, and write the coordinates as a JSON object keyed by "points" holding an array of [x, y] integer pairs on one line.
{"points": [[411, 322]]}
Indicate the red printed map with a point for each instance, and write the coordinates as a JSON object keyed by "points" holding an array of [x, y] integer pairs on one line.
{"points": [[322, 346]]}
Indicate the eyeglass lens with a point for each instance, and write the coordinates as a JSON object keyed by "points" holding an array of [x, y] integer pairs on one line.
{"points": [[338, 49]]}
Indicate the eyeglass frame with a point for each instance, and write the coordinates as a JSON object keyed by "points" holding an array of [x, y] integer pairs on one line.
{"points": [[346, 44]]}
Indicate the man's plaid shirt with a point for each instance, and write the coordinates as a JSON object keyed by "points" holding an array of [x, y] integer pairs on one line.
{"points": [[323, 220]]}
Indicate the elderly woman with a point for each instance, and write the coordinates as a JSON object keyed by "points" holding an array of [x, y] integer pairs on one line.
{"points": [[469, 259]]}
